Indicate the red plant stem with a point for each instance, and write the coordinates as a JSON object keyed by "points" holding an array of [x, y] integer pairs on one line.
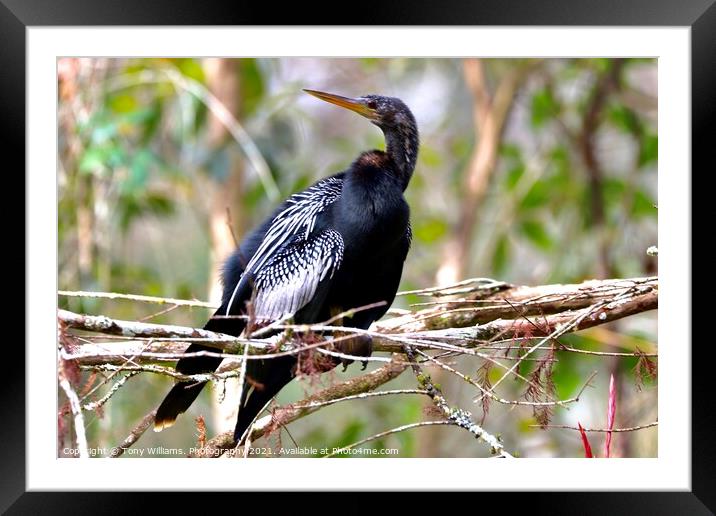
{"points": [[585, 442]]}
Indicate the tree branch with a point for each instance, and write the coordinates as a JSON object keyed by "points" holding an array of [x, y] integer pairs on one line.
{"points": [[286, 414], [464, 319], [456, 416], [513, 313]]}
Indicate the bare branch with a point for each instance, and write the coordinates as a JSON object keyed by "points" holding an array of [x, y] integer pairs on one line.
{"points": [[136, 297], [387, 432], [604, 430], [456, 416], [134, 435], [286, 414], [519, 301], [486, 313], [94, 405]]}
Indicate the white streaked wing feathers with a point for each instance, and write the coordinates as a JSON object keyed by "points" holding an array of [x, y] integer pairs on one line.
{"points": [[290, 279], [299, 215], [297, 220]]}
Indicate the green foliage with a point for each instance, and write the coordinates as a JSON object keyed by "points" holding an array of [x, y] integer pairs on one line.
{"points": [[133, 206], [648, 152], [190, 67], [501, 255], [537, 234], [537, 196], [624, 119], [430, 230], [571, 369], [351, 433], [513, 176], [544, 107], [253, 87], [644, 205]]}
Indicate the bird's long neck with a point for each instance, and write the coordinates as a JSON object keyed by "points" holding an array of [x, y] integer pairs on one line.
{"points": [[401, 145]]}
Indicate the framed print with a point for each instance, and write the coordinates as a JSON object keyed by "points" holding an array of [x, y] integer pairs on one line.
{"points": [[235, 274]]}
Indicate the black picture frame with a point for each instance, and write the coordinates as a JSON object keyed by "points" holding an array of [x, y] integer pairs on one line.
{"points": [[700, 15]]}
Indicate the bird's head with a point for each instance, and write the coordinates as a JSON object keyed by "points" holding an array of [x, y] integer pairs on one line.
{"points": [[385, 112]]}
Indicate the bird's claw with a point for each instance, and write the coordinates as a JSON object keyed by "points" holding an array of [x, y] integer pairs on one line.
{"points": [[358, 346]]}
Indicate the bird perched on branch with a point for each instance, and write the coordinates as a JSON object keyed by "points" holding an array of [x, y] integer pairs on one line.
{"points": [[338, 245]]}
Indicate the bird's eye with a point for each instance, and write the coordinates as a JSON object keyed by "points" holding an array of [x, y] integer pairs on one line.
{"points": [[372, 104]]}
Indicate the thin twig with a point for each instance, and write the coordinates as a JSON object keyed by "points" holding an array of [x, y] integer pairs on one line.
{"points": [[157, 314], [282, 416], [553, 336], [459, 417], [137, 297], [94, 405], [230, 225], [134, 435], [364, 395], [604, 430], [387, 432], [492, 396]]}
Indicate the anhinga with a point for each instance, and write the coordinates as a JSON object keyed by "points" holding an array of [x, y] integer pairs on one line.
{"points": [[338, 245]]}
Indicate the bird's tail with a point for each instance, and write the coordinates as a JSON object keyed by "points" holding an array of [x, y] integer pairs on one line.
{"points": [[183, 394], [264, 379]]}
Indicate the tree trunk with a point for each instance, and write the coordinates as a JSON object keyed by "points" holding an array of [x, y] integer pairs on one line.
{"points": [[225, 216]]}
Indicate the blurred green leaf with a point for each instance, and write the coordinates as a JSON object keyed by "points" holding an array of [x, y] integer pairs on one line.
{"points": [[190, 67], [151, 122], [513, 176], [500, 256], [122, 103], [512, 156], [461, 146], [544, 107], [624, 119], [602, 64], [252, 85], [93, 160], [138, 116], [614, 189], [510, 150], [159, 204], [648, 153], [429, 230], [643, 205], [567, 373], [537, 234], [429, 157], [538, 195], [351, 433], [370, 63], [138, 171], [132, 206], [559, 161]]}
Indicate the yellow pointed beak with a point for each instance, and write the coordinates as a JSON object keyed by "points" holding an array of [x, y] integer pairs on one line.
{"points": [[357, 105]]}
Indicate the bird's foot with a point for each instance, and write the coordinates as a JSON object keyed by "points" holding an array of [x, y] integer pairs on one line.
{"points": [[357, 346]]}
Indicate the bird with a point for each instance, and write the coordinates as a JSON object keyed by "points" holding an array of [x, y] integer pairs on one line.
{"points": [[336, 246]]}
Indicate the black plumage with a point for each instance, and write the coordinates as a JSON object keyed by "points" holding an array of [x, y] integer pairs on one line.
{"points": [[339, 244]]}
